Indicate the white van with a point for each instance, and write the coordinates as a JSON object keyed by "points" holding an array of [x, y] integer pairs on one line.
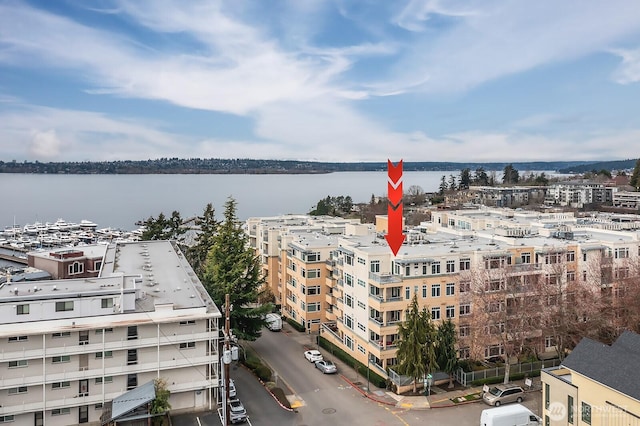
{"points": [[509, 415], [274, 322]]}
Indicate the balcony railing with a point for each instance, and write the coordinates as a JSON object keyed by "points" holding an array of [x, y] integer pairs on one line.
{"points": [[384, 278]]}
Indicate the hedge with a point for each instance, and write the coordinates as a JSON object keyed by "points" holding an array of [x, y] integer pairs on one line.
{"points": [[374, 378], [263, 372], [500, 379], [296, 325]]}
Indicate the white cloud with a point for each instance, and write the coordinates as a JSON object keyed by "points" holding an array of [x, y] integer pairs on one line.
{"points": [[416, 13], [629, 70], [45, 144], [508, 37]]}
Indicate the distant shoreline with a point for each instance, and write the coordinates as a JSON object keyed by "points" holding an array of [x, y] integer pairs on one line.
{"points": [[263, 167]]}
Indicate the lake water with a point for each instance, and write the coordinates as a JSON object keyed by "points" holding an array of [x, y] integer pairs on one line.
{"points": [[118, 201]]}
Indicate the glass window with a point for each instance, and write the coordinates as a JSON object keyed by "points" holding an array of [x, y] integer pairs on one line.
{"points": [[107, 303], [451, 289], [60, 359], [22, 309], [586, 413], [435, 313], [435, 290], [570, 409], [64, 306], [18, 364]]}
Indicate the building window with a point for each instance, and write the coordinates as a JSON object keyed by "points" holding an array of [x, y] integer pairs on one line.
{"points": [[18, 390], [104, 330], [570, 409], [451, 311], [64, 306], [190, 322], [621, 253], [361, 326], [313, 307], [313, 290], [465, 264], [98, 406], [571, 276], [348, 342], [465, 309], [76, 268], [60, 411], [132, 381], [435, 268], [464, 331], [451, 266], [586, 413], [407, 293], [60, 359], [465, 286], [348, 259], [107, 303], [348, 300], [18, 339], [435, 313], [451, 289], [571, 256], [6, 419], [19, 363], [132, 356], [525, 258], [361, 261], [59, 335], [106, 379], [313, 256], [547, 421], [348, 280], [435, 290], [107, 354], [374, 266], [546, 396], [348, 322], [22, 309], [361, 305], [424, 291], [187, 345], [60, 385], [361, 283]]}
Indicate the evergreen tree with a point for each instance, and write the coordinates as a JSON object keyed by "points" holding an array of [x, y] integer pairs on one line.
{"points": [[452, 183], [164, 228], [481, 178], [232, 267], [197, 253], [447, 355], [635, 176], [465, 178], [443, 185], [415, 354], [510, 175]]}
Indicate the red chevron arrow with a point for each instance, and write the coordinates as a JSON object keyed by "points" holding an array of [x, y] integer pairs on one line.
{"points": [[394, 172], [394, 236], [394, 194]]}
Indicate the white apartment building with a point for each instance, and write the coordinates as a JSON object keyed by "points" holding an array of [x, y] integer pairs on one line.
{"points": [[68, 347], [579, 194], [625, 199]]}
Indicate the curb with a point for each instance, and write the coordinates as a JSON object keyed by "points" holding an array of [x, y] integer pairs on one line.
{"points": [[269, 390], [353, 385]]}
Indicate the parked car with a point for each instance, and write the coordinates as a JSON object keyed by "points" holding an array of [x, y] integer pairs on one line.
{"points": [[327, 367], [232, 388], [515, 414], [274, 322], [237, 413], [503, 394], [313, 355]]}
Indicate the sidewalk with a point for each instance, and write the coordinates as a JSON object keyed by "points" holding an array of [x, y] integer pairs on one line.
{"points": [[383, 396]]}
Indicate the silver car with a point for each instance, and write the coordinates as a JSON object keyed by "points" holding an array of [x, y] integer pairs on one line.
{"points": [[237, 413], [502, 394], [327, 367]]}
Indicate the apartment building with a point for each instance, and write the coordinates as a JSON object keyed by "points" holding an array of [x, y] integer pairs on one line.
{"points": [[595, 385], [488, 270], [71, 346], [579, 194], [627, 200]]}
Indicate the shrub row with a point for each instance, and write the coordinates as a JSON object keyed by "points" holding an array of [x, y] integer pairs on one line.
{"points": [[500, 379], [296, 325], [254, 364], [374, 378]]}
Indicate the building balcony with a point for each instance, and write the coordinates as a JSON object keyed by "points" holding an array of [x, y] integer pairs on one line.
{"points": [[384, 278]]}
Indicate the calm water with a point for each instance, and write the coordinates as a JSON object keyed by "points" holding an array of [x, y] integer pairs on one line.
{"points": [[118, 201]]}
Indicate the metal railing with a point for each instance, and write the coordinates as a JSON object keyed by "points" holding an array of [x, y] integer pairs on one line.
{"points": [[466, 379]]}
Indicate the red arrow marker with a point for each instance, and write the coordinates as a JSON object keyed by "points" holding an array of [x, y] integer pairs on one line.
{"points": [[394, 236]]}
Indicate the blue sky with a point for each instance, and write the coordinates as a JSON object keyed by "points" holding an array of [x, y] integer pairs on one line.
{"points": [[325, 80]]}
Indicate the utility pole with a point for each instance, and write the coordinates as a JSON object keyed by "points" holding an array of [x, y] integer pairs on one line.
{"points": [[226, 358]]}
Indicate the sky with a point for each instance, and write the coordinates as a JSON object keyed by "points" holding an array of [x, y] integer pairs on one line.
{"points": [[320, 80]]}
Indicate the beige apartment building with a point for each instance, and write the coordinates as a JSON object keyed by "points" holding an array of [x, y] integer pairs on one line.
{"points": [[71, 346], [595, 385], [488, 270]]}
